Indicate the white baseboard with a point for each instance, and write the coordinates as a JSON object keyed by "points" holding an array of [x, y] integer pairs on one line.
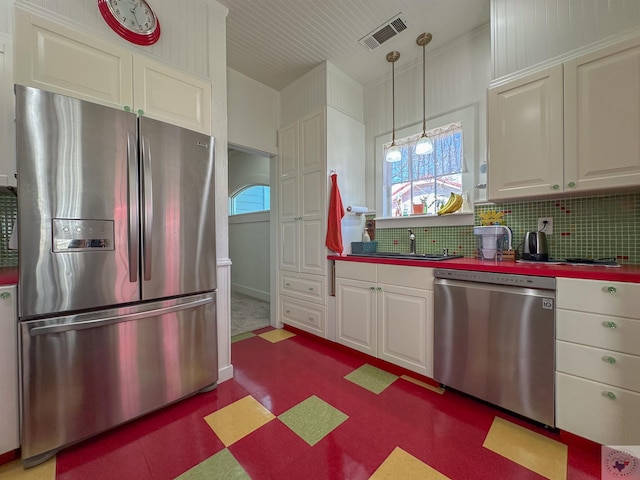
{"points": [[225, 374], [252, 292]]}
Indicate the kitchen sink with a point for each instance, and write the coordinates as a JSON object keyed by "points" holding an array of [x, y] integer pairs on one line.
{"points": [[433, 257]]}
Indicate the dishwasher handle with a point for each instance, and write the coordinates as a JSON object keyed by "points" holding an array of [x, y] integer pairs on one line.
{"points": [[492, 287]]}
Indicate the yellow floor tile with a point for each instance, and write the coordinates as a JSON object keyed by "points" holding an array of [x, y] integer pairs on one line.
{"points": [[238, 420], [14, 471], [277, 335], [536, 452], [400, 464], [423, 384]]}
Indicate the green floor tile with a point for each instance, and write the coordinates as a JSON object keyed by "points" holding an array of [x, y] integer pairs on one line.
{"points": [[221, 466], [242, 336], [312, 419], [371, 378]]}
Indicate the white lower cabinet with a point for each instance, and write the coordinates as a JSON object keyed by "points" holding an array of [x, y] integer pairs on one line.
{"points": [[9, 439], [386, 311], [597, 411], [304, 315], [598, 360]]}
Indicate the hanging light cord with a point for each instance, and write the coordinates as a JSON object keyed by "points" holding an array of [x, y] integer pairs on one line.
{"points": [[392, 57], [423, 40]]}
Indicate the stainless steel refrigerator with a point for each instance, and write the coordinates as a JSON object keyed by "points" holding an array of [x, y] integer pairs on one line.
{"points": [[117, 267]]}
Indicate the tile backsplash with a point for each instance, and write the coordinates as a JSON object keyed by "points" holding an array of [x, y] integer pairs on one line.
{"points": [[8, 215], [590, 227]]}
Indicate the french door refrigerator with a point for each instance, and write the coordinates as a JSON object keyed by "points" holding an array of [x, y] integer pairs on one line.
{"points": [[117, 267]]}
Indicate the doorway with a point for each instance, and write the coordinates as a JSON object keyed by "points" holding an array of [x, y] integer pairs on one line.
{"points": [[249, 239]]}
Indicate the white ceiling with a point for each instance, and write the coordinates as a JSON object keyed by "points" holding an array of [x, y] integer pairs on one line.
{"points": [[277, 41]]}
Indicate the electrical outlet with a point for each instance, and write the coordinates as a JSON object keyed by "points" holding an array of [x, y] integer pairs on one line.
{"points": [[545, 224]]}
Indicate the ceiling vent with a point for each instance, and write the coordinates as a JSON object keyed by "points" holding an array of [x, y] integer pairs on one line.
{"points": [[384, 32]]}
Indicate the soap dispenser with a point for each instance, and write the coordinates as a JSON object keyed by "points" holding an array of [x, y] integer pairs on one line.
{"points": [[365, 236]]}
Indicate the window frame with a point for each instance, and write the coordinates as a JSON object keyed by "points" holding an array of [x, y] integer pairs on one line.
{"points": [[468, 116]]}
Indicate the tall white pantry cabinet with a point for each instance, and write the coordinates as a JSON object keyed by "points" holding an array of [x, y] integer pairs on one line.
{"points": [[324, 135]]}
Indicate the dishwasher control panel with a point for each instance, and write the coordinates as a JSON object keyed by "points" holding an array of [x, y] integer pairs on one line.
{"points": [[525, 281]]}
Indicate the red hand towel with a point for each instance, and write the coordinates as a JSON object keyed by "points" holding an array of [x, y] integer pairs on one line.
{"points": [[334, 222]]}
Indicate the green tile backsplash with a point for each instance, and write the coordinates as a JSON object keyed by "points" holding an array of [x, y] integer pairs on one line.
{"points": [[8, 214], [591, 227]]}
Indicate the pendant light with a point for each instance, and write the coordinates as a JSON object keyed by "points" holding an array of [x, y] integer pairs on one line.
{"points": [[424, 145], [394, 154]]}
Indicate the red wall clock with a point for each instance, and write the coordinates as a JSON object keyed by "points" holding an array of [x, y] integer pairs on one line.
{"points": [[133, 20]]}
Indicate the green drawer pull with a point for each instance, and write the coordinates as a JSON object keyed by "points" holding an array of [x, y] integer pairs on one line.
{"points": [[609, 395], [555, 187], [608, 359], [311, 289], [372, 288], [611, 290], [571, 184], [610, 324], [5, 295]]}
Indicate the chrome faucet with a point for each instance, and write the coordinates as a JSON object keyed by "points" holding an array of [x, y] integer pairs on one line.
{"points": [[412, 242]]}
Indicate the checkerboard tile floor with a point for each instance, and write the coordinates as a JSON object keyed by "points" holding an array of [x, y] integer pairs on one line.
{"points": [[299, 408]]}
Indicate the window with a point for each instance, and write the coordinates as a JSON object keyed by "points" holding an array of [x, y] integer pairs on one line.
{"points": [[433, 177], [424, 181], [254, 198]]}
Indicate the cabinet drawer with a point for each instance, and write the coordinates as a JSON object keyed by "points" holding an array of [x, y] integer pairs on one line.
{"points": [[309, 287], [366, 272], [401, 276], [602, 413], [595, 296], [600, 365], [303, 315], [602, 331]]}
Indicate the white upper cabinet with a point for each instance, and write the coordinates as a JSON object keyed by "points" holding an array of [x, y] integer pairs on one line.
{"points": [[169, 95], [58, 59], [572, 127], [61, 60], [525, 135], [602, 118], [7, 115]]}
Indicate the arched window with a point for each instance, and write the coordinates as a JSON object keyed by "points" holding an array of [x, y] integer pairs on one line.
{"points": [[254, 198]]}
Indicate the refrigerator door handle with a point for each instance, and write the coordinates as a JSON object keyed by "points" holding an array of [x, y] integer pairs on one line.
{"points": [[47, 329], [132, 186], [147, 191]]}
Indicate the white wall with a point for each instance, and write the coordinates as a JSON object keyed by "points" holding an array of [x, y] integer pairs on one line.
{"points": [[457, 76], [253, 110], [525, 33]]}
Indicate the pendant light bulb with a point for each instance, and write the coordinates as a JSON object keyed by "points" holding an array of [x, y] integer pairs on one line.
{"points": [[394, 154], [424, 145]]}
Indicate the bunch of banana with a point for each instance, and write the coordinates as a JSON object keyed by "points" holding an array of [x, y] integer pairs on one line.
{"points": [[453, 204]]}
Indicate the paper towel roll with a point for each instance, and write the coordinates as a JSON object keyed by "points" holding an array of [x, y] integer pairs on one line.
{"points": [[356, 209]]}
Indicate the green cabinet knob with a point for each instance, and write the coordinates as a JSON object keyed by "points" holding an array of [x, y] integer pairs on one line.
{"points": [[610, 324], [5, 295], [609, 395], [571, 184], [127, 108], [611, 290], [140, 111], [609, 359], [555, 187]]}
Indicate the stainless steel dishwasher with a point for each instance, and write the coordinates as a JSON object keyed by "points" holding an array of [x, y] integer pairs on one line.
{"points": [[494, 339]]}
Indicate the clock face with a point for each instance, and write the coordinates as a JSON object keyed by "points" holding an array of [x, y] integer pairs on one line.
{"points": [[133, 20]]}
